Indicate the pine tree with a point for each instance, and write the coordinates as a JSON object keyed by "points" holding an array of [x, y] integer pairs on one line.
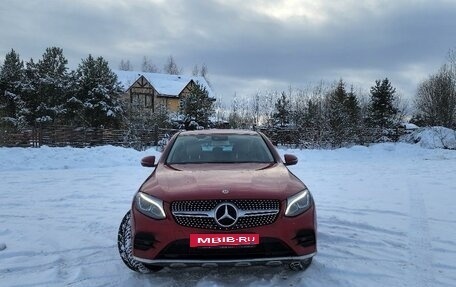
{"points": [[97, 94], [30, 93], [337, 115], [46, 86], [315, 114], [382, 108], [354, 122], [161, 117], [316, 120], [12, 106], [197, 107], [282, 107]]}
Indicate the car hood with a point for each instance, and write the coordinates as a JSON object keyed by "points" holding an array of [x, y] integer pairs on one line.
{"points": [[220, 181]]}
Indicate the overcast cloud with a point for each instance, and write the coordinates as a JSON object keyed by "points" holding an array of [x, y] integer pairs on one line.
{"points": [[246, 45]]}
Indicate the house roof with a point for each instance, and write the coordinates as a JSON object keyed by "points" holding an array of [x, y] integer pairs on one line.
{"points": [[164, 84]]}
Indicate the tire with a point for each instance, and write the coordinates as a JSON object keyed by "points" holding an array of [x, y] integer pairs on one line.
{"points": [[300, 265], [125, 247]]}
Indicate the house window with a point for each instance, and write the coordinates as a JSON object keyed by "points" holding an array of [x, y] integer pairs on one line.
{"points": [[149, 101], [135, 100], [142, 100]]}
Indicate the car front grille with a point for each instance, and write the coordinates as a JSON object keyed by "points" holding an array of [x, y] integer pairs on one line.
{"points": [[202, 213]]}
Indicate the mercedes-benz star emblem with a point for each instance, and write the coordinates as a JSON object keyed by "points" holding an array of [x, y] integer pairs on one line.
{"points": [[226, 214]]}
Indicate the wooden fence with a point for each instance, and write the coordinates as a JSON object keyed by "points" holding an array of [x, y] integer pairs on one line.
{"points": [[84, 137], [142, 139]]}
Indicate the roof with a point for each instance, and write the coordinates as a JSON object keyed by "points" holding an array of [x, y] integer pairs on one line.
{"points": [[219, 131], [164, 84], [409, 126]]}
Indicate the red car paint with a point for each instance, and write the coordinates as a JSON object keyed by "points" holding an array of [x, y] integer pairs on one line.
{"points": [[223, 182]]}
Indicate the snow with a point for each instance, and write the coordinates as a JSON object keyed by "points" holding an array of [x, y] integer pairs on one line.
{"points": [[410, 126], [432, 137], [386, 217], [164, 84]]}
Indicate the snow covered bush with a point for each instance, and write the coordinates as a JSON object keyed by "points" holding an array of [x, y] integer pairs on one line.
{"points": [[432, 137]]}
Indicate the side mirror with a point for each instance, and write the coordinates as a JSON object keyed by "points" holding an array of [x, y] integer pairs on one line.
{"points": [[290, 159], [148, 161]]}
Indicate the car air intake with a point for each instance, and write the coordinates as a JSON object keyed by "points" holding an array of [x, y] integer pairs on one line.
{"points": [[144, 241], [305, 238], [268, 247]]}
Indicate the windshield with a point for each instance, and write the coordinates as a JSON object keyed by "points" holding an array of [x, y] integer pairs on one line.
{"points": [[222, 148]]}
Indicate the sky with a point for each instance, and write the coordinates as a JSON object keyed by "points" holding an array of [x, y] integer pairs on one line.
{"points": [[247, 45]]}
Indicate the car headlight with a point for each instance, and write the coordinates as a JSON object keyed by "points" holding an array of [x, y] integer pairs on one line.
{"points": [[298, 203], [150, 206]]}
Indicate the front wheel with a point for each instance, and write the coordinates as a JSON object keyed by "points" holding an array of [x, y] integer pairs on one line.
{"points": [[125, 246]]}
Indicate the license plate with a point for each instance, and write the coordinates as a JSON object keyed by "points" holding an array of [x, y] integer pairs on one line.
{"points": [[211, 240]]}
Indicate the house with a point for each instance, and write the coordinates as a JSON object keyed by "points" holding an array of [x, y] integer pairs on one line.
{"points": [[145, 92]]}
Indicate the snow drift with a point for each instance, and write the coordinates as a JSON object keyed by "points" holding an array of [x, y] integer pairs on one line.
{"points": [[432, 137]]}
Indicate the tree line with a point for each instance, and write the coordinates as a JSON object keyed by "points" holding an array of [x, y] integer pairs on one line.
{"points": [[170, 67], [331, 115], [47, 92], [336, 115]]}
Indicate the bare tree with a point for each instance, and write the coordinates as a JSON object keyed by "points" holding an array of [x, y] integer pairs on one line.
{"points": [[436, 99], [195, 71], [125, 65], [452, 60], [149, 67], [171, 67], [403, 108], [255, 108], [203, 71]]}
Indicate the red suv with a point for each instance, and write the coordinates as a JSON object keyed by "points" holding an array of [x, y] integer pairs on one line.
{"points": [[219, 197]]}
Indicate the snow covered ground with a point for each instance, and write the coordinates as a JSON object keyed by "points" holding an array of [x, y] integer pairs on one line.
{"points": [[386, 216]]}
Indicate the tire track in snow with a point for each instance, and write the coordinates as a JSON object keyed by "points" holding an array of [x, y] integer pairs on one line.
{"points": [[62, 267], [420, 265]]}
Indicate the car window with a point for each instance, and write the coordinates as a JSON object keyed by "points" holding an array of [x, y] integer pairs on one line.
{"points": [[223, 148]]}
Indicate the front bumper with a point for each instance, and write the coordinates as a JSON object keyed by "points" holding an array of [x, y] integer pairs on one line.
{"points": [[216, 263], [165, 243]]}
